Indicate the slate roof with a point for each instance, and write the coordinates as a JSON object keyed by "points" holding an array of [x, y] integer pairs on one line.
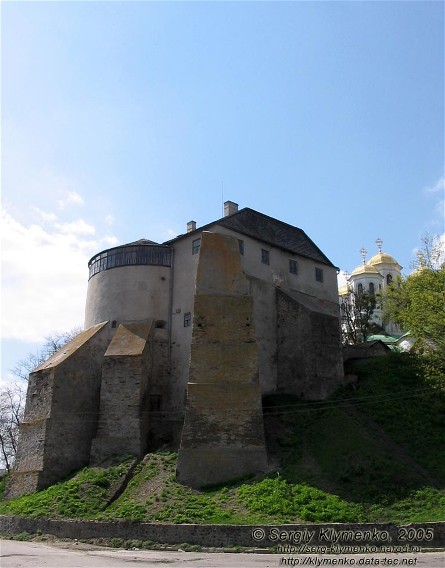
{"points": [[268, 230]]}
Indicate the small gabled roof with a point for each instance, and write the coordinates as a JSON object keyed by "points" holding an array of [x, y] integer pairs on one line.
{"points": [[267, 230]]}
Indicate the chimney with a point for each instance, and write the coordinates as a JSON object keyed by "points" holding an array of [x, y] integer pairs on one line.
{"points": [[191, 226], [229, 208]]}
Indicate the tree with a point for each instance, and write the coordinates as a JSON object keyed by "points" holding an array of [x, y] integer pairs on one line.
{"points": [[12, 405], [13, 395], [417, 302], [357, 309], [51, 345], [432, 253]]}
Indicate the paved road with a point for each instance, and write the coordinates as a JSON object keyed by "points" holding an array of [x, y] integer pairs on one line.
{"points": [[15, 554]]}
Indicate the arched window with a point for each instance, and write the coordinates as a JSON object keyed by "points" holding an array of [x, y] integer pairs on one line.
{"points": [[388, 279], [372, 288], [360, 288]]}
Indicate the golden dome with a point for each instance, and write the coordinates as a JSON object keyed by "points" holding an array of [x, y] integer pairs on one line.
{"points": [[344, 290], [383, 258], [365, 269]]}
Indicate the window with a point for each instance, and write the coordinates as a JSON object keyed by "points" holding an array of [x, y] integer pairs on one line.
{"points": [[371, 288], [154, 403], [241, 246], [388, 279], [196, 245], [113, 324], [293, 266], [187, 319], [265, 256], [360, 289], [319, 274]]}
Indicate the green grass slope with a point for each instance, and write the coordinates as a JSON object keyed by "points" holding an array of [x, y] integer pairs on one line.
{"points": [[372, 452]]}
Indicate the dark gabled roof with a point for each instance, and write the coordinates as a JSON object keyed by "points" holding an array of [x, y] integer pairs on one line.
{"points": [[140, 242], [268, 230]]}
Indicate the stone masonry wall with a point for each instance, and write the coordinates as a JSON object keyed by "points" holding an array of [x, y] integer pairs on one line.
{"points": [[60, 415], [310, 361], [223, 433], [422, 535], [126, 372]]}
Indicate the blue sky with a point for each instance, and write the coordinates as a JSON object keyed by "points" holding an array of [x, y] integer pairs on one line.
{"points": [[125, 120]]}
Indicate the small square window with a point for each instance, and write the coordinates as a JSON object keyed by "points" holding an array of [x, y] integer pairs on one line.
{"points": [[319, 274], [196, 245], [154, 403], [293, 266], [187, 319], [265, 256], [241, 246]]}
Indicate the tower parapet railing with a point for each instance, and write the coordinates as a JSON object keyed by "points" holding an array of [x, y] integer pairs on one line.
{"points": [[133, 255]]}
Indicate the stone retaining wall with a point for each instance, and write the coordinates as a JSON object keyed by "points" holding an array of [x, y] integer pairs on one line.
{"points": [[362, 536]]}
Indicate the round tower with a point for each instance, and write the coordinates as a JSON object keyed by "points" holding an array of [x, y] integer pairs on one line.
{"points": [[129, 283]]}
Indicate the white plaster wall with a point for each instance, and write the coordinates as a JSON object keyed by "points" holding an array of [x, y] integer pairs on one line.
{"points": [[185, 265], [134, 293], [277, 272], [265, 278], [128, 294], [386, 269], [366, 279]]}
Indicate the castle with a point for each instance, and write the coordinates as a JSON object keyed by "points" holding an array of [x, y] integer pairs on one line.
{"points": [[181, 341]]}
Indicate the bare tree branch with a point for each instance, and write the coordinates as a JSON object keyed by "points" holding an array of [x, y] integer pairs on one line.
{"points": [[13, 395]]}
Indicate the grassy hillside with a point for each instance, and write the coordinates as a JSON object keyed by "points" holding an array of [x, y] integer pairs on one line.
{"points": [[375, 452]]}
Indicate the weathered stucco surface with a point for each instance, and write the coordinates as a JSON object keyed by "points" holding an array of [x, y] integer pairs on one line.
{"points": [[223, 434]]}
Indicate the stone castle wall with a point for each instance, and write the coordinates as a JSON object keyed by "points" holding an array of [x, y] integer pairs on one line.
{"points": [[61, 414], [114, 391], [126, 371], [310, 362], [223, 435]]}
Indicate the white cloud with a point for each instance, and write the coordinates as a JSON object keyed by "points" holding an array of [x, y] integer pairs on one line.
{"points": [[78, 227], [44, 216], [71, 197], [74, 197], [44, 276], [440, 209], [109, 220], [341, 278], [170, 234], [439, 186], [110, 240]]}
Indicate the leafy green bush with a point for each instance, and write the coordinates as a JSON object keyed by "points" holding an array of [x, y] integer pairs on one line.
{"points": [[283, 501]]}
